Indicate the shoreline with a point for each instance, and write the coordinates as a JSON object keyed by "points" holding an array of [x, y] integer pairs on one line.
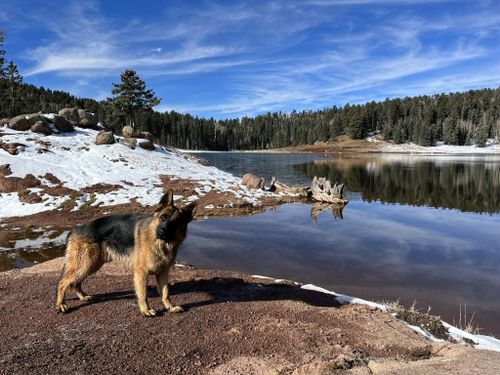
{"points": [[233, 323], [373, 145]]}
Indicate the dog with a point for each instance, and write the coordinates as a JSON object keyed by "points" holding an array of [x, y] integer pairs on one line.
{"points": [[147, 244]]}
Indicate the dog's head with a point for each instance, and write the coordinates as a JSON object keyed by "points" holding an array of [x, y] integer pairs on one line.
{"points": [[172, 221]]}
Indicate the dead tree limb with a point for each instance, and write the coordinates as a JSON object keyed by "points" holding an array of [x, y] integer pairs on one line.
{"points": [[323, 191]]}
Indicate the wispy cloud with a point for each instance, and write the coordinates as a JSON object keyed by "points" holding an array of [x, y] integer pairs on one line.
{"points": [[250, 57]]}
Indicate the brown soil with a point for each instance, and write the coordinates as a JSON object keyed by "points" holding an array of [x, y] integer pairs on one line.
{"points": [[342, 144], [17, 184], [101, 188], [232, 324], [51, 178]]}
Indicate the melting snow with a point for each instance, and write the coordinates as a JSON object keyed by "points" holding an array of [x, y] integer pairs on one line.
{"points": [[78, 162]]}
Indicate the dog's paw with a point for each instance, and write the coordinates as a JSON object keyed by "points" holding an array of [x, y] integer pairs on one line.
{"points": [[86, 298], [62, 308], [149, 313], [176, 309]]}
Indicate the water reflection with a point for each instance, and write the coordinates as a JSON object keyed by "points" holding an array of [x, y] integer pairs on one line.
{"points": [[470, 185], [25, 246], [318, 208], [441, 258]]}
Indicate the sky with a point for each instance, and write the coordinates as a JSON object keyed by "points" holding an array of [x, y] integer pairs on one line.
{"points": [[241, 58]]}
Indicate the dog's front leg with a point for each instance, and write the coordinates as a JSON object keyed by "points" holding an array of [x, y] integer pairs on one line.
{"points": [[162, 281], [141, 285]]}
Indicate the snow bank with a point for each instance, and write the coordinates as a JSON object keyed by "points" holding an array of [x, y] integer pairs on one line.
{"points": [[78, 163], [440, 148]]}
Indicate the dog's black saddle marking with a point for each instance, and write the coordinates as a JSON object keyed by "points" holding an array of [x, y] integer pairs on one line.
{"points": [[115, 231]]}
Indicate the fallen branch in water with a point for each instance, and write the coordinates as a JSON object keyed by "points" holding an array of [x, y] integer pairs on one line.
{"points": [[323, 191]]}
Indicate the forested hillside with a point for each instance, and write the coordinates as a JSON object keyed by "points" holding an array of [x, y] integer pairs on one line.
{"points": [[457, 119]]}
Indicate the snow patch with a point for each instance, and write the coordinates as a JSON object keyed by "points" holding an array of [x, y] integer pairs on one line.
{"points": [[78, 162]]}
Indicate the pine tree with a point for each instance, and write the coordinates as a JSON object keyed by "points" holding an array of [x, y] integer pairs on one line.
{"points": [[131, 95], [2, 76], [481, 136], [13, 81], [450, 132]]}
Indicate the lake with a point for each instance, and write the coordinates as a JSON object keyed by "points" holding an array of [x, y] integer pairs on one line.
{"points": [[417, 228]]}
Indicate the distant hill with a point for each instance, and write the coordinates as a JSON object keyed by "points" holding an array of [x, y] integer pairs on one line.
{"points": [[465, 118]]}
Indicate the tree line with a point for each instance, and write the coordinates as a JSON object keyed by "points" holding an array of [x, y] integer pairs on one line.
{"points": [[455, 118]]}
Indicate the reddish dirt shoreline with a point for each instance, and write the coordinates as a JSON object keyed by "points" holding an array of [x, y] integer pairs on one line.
{"points": [[233, 324], [213, 203]]}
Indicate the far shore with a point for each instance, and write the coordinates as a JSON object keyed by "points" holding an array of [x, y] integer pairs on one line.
{"points": [[372, 145]]}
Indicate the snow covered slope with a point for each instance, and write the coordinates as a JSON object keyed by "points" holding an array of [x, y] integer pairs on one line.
{"points": [[78, 162]]}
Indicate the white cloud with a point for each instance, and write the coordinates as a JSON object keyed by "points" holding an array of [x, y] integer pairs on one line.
{"points": [[275, 55]]}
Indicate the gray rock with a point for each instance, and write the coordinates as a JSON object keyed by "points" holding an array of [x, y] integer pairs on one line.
{"points": [[128, 132], [35, 117], [146, 135], [147, 145], [70, 114], [104, 138], [62, 124], [19, 123], [41, 127]]}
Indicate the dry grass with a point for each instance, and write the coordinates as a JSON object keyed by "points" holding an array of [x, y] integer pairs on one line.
{"points": [[465, 323], [419, 318]]}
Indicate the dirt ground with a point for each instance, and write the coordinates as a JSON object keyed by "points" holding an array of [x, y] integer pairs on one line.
{"points": [[232, 324], [342, 144]]}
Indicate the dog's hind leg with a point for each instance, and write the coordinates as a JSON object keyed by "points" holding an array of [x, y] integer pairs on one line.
{"points": [[162, 283], [82, 259], [80, 293]]}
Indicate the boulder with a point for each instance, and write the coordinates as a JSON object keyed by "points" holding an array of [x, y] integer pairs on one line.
{"points": [[253, 182], [35, 117], [88, 123], [70, 114], [130, 142], [147, 145], [62, 124], [128, 132], [87, 119], [12, 148], [41, 127], [146, 135], [4, 121], [19, 123], [5, 170], [104, 138]]}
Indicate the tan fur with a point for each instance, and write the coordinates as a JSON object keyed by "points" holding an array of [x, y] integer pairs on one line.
{"points": [[150, 255]]}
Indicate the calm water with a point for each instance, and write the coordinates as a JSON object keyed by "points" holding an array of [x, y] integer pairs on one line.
{"points": [[416, 228]]}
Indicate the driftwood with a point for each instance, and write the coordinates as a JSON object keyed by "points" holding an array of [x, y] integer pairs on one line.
{"points": [[280, 187], [319, 207], [323, 191]]}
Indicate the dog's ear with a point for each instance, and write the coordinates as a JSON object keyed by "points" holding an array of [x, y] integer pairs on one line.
{"points": [[166, 200], [189, 211]]}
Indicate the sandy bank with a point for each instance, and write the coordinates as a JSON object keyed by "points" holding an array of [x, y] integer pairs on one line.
{"points": [[233, 323]]}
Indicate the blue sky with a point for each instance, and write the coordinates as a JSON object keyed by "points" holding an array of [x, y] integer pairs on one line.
{"points": [[230, 58]]}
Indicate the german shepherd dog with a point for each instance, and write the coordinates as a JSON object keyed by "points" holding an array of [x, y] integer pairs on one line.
{"points": [[148, 244]]}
